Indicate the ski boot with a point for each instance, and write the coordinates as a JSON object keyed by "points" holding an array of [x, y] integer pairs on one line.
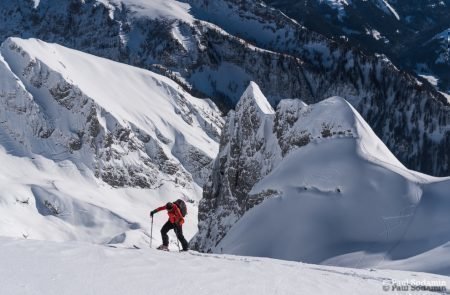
{"points": [[163, 248]]}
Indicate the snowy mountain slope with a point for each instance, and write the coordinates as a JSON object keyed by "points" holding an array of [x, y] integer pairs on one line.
{"points": [[76, 268], [230, 43], [47, 200], [89, 146], [129, 126], [312, 183]]}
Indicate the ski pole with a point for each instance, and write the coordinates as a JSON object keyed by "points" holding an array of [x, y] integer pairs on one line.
{"points": [[151, 233], [176, 235]]}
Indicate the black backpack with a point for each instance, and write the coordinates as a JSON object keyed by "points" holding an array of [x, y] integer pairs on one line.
{"points": [[182, 205]]}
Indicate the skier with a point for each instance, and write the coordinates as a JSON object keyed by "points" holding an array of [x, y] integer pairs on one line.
{"points": [[175, 222]]}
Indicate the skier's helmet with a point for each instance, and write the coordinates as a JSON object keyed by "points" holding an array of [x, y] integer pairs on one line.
{"points": [[169, 206]]}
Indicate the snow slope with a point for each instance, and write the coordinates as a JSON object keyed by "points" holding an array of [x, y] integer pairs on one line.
{"points": [[44, 200], [170, 9], [336, 195], [129, 94], [89, 146], [76, 268]]}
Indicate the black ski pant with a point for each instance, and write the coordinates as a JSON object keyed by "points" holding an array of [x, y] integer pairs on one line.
{"points": [[178, 231]]}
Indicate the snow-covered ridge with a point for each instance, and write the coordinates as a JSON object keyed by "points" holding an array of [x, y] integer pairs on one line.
{"points": [[137, 106], [336, 117], [316, 184]]}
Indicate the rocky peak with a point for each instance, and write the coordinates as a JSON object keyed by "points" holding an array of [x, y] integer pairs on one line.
{"points": [[254, 98], [247, 153]]}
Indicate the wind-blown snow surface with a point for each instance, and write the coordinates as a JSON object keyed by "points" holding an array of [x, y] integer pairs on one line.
{"points": [[338, 198], [41, 267], [89, 146]]}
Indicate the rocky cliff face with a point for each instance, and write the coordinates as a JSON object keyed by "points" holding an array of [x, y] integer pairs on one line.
{"points": [[246, 155], [49, 108], [216, 48], [411, 33]]}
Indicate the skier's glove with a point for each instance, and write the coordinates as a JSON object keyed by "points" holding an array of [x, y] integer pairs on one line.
{"points": [[152, 213]]}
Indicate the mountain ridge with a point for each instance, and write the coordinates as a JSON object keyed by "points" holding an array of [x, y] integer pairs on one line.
{"points": [[38, 70], [285, 58]]}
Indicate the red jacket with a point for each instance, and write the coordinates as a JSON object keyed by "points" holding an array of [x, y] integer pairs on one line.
{"points": [[175, 215]]}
